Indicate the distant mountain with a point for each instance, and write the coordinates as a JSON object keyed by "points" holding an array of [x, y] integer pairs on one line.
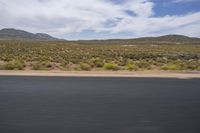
{"points": [[167, 39], [13, 34]]}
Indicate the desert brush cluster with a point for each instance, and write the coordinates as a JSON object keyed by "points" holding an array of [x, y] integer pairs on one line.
{"points": [[70, 56]]}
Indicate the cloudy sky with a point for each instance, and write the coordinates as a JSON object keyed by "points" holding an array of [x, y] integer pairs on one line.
{"points": [[97, 19]]}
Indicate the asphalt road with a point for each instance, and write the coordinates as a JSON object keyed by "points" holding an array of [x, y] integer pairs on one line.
{"points": [[99, 105]]}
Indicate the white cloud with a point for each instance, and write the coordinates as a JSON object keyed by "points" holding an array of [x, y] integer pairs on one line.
{"points": [[141, 26], [71, 16]]}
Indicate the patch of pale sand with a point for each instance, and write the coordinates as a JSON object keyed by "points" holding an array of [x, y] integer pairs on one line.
{"points": [[148, 74]]}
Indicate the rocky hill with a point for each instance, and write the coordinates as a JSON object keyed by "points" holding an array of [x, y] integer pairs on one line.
{"points": [[13, 34], [167, 39]]}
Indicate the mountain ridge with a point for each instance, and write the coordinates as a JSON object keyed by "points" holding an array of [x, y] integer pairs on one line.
{"points": [[165, 39], [14, 34]]}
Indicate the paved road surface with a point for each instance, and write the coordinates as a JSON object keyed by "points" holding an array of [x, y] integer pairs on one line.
{"points": [[99, 105]]}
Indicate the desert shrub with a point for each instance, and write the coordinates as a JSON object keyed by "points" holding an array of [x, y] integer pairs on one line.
{"points": [[120, 61], [144, 56], [131, 67], [77, 68], [42, 66], [198, 68], [13, 65], [37, 66], [64, 66], [129, 61], [1, 67], [192, 65], [8, 66], [98, 62], [143, 64], [85, 66], [171, 66], [47, 65], [95, 62], [111, 66]]}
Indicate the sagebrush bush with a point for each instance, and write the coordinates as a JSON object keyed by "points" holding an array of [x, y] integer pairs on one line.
{"points": [[171, 66], [42, 66], [192, 65], [37, 66], [145, 57], [143, 64], [85, 66], [198, 68], [111, 66], [98, 62], [131, 67], [13, 65]]}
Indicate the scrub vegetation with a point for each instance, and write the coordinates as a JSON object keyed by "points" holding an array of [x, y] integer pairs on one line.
{"points": [[65, 55]]}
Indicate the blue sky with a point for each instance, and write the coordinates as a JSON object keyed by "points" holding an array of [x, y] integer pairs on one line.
{"points": [[165, 7], [102, 19]]}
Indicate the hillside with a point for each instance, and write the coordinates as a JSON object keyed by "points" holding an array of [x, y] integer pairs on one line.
{"points": [[167, 39], [13, 34], [57, 55]]}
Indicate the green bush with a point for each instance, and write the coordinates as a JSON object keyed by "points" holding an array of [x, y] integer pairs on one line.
{"points": [[96, 62], [99, 63], [13, 65], [42, 66], [198, 68], [111, 66], [85, 66], [1, 67], [143, 64], [131, 67], [37, 66], [184, 56], [192, 65], [64, 66], [171, 66]]}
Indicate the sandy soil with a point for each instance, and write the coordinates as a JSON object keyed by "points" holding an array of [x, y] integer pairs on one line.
{"points": [[156, 74]]}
